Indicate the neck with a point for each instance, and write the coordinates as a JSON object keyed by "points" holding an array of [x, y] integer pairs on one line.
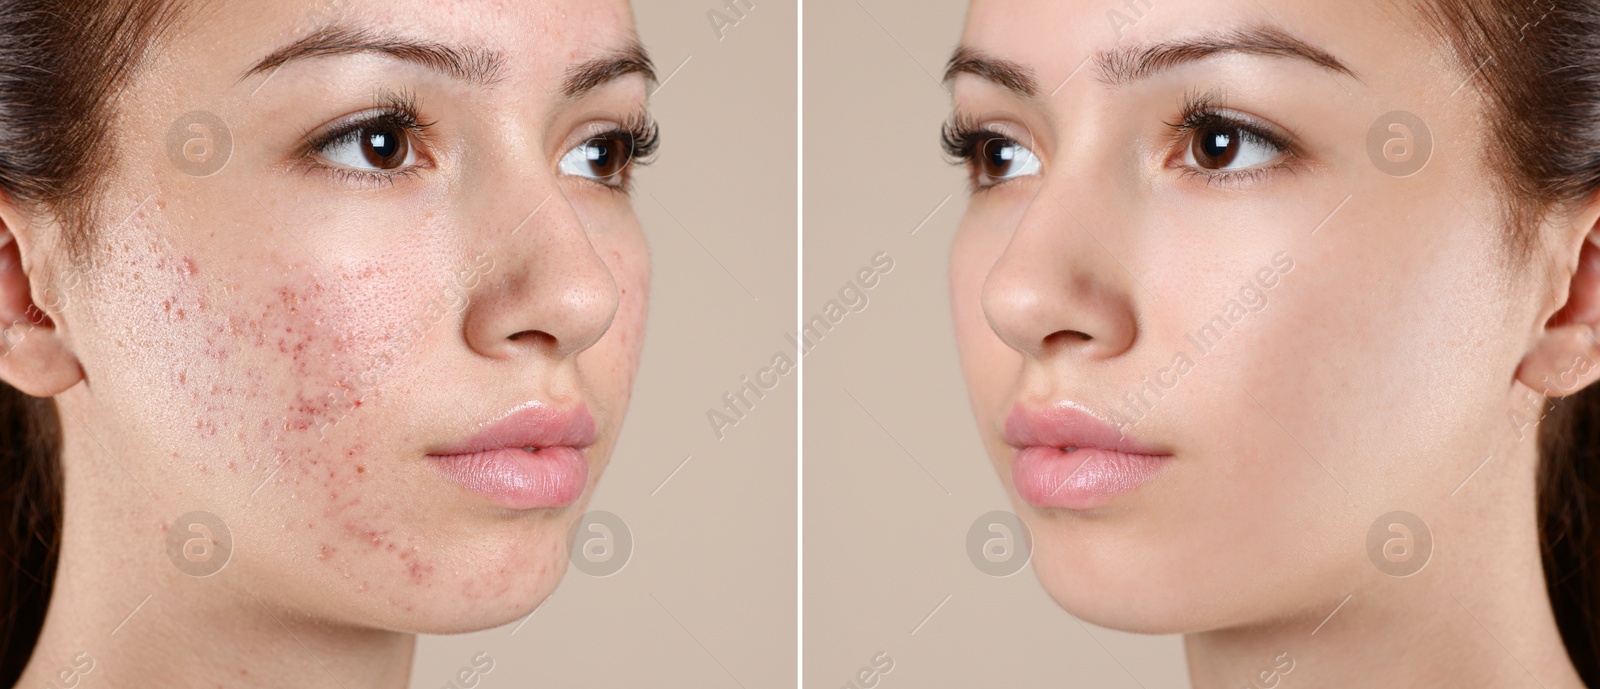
{"points": [[123, 615], [1477, 614]]}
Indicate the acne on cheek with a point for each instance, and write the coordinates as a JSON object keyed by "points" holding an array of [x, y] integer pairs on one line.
{"points": [[279, 382], [632, 275], [284, 376]]}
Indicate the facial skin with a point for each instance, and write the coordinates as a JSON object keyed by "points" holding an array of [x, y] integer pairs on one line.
{"points": [[1374, 371], [282, 345]]}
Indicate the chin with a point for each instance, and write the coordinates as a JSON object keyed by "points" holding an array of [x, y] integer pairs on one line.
{"points": [[1121, 583], [462, 614], [1108, 598], [463, 579], [499, 576], [1112, 583]]}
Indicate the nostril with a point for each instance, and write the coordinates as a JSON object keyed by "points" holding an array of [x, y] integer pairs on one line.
{"points": [[536, 337], [1066, 337]]}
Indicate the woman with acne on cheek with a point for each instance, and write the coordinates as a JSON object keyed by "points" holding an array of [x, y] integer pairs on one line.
{"points": [[1386, 467], [323, 320]]}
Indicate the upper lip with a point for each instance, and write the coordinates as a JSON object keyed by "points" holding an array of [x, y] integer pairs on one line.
{"points": [[532, 425], [1067, 425]]}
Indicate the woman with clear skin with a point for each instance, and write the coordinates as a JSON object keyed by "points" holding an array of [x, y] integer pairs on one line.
{"points": [[359, 283], [1221, 314]]}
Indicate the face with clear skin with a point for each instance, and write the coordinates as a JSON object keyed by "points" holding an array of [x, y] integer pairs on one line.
{"points": [[283, 342], [1372, 373]]}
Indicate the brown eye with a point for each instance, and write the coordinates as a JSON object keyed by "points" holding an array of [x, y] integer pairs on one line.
{"points": [[602, 158], [1000, 158], [377, 146], [1221, 144], [384, 147], [1216, 146]]}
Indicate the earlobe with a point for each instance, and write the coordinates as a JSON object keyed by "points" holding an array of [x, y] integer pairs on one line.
{"points": [[1562, 362], [33, 357], [1566, 357]]}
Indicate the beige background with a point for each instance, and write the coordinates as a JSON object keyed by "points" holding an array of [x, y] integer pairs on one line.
{"points": [[894, 472], [708, 597]]}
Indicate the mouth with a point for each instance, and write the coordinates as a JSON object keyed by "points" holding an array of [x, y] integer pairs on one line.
{"points": [[534, 457], [1065, 457]]}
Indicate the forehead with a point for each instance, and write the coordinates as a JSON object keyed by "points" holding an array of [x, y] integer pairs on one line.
{"points": [[223, 38], [1382, 40]]}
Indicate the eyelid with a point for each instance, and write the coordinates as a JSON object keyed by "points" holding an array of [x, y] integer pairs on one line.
{"points": [[343, 128], [1200, 110], [639, 128], [961, 132], [596, 125]]}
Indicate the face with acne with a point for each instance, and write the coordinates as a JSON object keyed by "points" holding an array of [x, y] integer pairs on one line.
{"points": [[315, 273], [1203, 253]]}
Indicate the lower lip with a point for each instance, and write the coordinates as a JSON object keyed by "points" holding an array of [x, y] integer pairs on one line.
{"points": [[518, 479], [1081, 479]]}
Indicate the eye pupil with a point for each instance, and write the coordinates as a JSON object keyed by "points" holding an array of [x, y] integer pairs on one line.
{"points": [[998, 155], [384, 148], [1214, 148], [605, 155], [599, 156]]}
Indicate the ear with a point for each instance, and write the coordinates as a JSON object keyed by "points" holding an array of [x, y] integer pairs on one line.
{"points": [[33, 356], [1565, 357]]}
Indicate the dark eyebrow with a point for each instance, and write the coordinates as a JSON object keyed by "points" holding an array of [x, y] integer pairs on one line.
{"points": [[1120, 66], [1011, 75], [470, 64], [474, 65], [1125, 65], [591, 74]]}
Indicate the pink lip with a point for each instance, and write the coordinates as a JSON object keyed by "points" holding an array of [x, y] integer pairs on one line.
{"points": [[1067, 458], [495, 464]]}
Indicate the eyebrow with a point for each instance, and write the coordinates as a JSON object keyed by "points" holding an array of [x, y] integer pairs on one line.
{"points": [[1125, 65], [1011, 75], [591, 74], [471, 64]]}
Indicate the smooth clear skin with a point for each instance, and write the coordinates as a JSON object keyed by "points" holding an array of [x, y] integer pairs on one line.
{"points": [[199, 363], [1393, 352]]}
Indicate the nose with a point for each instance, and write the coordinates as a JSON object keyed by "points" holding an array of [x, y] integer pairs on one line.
{"points": [[548, 290], [1056, 290]]}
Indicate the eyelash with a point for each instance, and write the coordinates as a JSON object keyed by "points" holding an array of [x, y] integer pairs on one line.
{"points": [[961, 138], [638, 132], [1201, 111], [396, 110]]}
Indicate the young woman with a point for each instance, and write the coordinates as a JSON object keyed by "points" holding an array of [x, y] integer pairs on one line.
{"points": [[1260, 305], [323, 320]]}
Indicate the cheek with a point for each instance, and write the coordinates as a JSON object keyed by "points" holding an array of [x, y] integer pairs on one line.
{"points": [[619, 350], [1390, 362], [281, 376], [985, 359], [304, 345]]}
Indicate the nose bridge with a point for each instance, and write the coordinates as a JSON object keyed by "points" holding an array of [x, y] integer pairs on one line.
{"points": [[1056, 288]]}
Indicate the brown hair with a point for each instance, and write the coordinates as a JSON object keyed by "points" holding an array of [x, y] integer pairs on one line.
{"points": [[62, 65], [1536, 64]]}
